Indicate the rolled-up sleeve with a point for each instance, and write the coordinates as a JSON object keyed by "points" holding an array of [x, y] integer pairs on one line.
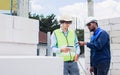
{"points": [[53, 44], [77, 46]]}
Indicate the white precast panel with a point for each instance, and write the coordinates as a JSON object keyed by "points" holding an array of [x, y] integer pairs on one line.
{"points": [[22, 23], [17, 49], [6, 21], [24, 36], [32, 65]]}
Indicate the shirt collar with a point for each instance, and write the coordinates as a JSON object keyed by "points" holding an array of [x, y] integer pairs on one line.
{"points": [[62, 30], [97, 30]]}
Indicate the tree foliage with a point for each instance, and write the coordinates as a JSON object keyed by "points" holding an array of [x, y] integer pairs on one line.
{"points": [[46, 24]]}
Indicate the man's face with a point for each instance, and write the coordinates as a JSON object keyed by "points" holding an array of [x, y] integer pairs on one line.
{"points": [[91, 27], [65, 24]]}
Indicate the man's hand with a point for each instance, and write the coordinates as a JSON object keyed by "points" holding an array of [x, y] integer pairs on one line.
{"points": [[81, 43], [91, 70], [76, 58], [65, 50]]}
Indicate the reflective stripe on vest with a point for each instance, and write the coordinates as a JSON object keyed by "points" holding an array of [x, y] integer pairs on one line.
{"points": [[64, 41]]}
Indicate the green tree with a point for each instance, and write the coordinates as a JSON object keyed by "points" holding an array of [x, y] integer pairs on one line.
{"points": [[46, 24], [34, 16]]}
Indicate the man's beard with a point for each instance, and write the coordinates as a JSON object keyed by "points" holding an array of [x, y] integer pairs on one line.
{"points": [[92, 30]]}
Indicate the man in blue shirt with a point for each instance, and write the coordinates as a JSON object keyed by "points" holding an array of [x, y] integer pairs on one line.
{"points": [[99, 45]]}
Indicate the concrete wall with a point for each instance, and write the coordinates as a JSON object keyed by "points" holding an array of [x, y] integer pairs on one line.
{"points": [[18, 49], [112, 26], [18, 36], [30, 65]]}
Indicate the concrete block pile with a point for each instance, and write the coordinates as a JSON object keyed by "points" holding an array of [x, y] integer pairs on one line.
{"points": [[18, 36], [18, 49], [30, 65]]}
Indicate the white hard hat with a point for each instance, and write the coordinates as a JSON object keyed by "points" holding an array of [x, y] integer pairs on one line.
{"points": [[66, 18], [90, 19]]}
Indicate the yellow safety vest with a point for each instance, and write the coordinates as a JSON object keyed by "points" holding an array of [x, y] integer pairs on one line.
{"points": [[64, 41]]}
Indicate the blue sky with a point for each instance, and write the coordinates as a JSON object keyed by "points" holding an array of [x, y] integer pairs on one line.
{"points": [[77, 8], [47, 7], [52, 6]]}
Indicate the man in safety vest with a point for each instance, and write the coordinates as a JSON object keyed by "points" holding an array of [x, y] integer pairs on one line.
{"points": [[64, 44]]}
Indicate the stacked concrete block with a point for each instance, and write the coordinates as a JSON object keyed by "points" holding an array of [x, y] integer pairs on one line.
{"points": [[115, 20], [27, 28], [17, 49], [112, 26], [6, 32], [6, 21], [30, 65], [18, 36], [115, 45], [104, 24]]}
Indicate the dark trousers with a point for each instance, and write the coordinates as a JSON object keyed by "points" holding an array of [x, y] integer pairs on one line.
{"points": [[71, 68], [102, 68]]}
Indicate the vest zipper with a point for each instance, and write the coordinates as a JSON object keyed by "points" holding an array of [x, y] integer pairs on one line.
{"points": [[67, 45]]}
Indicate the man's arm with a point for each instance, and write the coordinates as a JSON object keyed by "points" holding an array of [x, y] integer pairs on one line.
{"points": [[77, 50], [53, 43], [77, 46], [100, 43]]}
